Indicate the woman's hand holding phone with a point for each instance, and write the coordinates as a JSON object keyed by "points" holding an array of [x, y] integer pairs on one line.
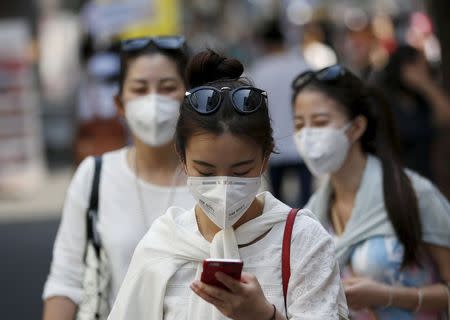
{"points": [[241, 300]]}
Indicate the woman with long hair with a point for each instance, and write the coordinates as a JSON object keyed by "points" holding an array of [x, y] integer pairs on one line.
{"points": [[391, 226]]}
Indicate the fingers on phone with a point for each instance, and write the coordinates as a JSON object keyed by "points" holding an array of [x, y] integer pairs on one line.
{"points": [[216, 293], [232, 284], [247, 277], [202, 294]]}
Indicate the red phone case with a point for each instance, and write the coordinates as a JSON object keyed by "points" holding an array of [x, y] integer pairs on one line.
{"points": [[233, 268]]}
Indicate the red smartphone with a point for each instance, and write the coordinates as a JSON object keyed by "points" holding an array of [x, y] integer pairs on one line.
{"points": [[231, 267]]}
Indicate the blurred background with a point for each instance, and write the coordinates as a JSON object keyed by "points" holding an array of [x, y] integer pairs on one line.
{"points": [[59, 68]]}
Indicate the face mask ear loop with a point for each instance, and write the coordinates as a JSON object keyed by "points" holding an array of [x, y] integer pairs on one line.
{"points": [[262, 166], [347, 126], [184, 166]]}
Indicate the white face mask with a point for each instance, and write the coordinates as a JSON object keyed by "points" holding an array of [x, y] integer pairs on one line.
{"points": [[224, 199], [323, 149], [152, 118]]}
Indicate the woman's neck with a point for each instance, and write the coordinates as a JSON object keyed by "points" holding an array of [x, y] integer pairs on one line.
{"points": [[154, 164], [208, 229], [346, 180]]}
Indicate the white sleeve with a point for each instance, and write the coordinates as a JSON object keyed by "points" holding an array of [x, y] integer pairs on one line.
{"points": [[434, 209], [315, 290], [67, 267]]}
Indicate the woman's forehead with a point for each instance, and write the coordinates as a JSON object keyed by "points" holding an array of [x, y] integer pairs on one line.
{"points": [[152, 66], [314, 101], [224, 148]]}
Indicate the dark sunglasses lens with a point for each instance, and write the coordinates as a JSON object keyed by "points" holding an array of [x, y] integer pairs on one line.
{"points": [[169, 42], [205, 100], [135, 44], [247, 100], [330, 73]]}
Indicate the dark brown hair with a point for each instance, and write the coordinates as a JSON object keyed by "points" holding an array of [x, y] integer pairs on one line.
{"points": [[380, 139], [212, 69], [178, 56]]}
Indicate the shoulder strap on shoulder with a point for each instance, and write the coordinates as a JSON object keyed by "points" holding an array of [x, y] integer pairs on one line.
{"points": [[92, 211], [93, 201], [286, 253]]}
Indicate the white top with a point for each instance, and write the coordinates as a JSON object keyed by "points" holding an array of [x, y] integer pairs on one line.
{"points": [[169, 257], [121, 222], [274, 73], [315, 276], [369, 216]]}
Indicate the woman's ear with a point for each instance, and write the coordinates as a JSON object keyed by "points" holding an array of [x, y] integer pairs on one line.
{"points": [[119, 105], [359, 126]]}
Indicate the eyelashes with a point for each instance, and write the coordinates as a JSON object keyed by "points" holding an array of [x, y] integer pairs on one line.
{"points": [[204, 174], [210, 174], [242, 173]]}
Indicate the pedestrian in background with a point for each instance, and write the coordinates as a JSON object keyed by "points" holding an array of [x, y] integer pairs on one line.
{"points": [[274, 72], [137, 183], [391, 225], [420, 107]]}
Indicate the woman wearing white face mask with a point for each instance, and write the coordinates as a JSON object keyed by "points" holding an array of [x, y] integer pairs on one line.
{"points": [[137, 183], [391, 226], [224, 139]]}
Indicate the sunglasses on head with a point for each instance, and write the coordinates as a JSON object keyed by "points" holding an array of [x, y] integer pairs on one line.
{"points": [[206, 100], [162, 42], [327, 75]]}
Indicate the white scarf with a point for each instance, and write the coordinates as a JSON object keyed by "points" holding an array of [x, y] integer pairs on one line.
{"points": [[369, 216], [167, 246]]}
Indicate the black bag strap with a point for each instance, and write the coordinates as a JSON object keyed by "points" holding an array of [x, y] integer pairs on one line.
{"points": [[92, 211]]}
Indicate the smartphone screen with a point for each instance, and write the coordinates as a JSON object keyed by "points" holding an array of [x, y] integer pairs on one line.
{"points": [[231, 267]]}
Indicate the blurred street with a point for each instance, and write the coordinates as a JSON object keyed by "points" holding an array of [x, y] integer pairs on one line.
{"points": [[27, 231], [26, 251], [45, 203]]}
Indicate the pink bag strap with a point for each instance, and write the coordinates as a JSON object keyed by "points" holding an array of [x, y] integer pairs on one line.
{"points": [[286, 253]]}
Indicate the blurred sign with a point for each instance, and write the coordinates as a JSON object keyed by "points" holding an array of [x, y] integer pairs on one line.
{"points": [[21, 159], [131, 18], [58, 57]]}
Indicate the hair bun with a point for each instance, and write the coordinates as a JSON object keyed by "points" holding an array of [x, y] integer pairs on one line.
{"points": [[208, 66]]}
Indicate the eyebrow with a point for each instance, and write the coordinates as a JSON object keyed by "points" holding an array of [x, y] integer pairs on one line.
{"points": [[167, 79], [323, 114], [205, 164], [145, 82], [239, 164], [141, 81]]}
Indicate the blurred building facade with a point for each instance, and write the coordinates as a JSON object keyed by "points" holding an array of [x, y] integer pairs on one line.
{"points": [[360, 34]]}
